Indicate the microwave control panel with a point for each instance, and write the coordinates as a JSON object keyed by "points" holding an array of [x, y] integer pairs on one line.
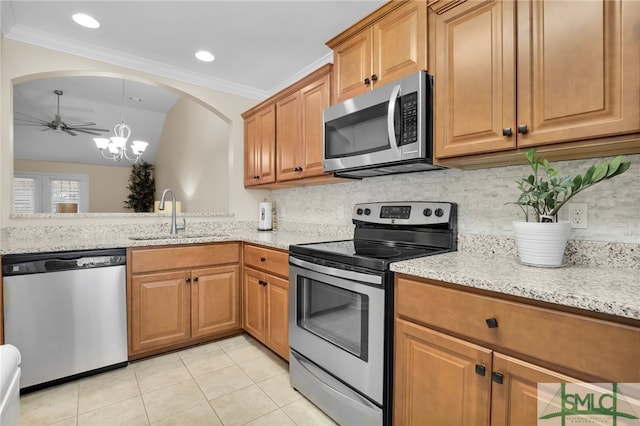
{"points": [[409, 109]]}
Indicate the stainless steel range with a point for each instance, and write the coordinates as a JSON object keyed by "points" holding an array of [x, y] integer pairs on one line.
{"points": [[341, 306]]}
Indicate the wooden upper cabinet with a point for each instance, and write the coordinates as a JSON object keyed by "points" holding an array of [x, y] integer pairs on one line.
{"points": [[300, 127], [512, 75], [577, 87], [400, 42], [314, 98], [389, 44], [475, 78], [288, 137], [260, 146], [353, 64]]}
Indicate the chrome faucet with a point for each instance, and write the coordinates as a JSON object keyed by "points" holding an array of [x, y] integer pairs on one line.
{"points": [[174, 226]]}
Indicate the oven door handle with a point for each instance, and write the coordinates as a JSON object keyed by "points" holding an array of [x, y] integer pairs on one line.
{"points": [[342, 273]]}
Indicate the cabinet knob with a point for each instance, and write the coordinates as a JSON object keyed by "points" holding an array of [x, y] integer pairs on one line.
{"points": [[188, 280], [492, 323], [297, 169], [506, 131], [195, 279], [367, 81], [374, 78], [481, 370], [497, 377], [263, 259], [262, 283], [522, 129], [256, 177]]}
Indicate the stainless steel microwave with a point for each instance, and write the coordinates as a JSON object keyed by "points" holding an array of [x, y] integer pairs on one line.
{"points": [[385, 131]]}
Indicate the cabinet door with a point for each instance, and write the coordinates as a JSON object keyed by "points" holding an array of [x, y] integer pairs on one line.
{"points": [[352, 65], [160, 310], [277, 332], [474, 47], [254, 302], [314, 98], [400, 43], [515, 400], [577, 87], [260, 147], [437, 380], [289, 140], [215, 300]]}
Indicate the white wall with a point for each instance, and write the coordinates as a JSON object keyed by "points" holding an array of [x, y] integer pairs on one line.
{"points": [[193, 157], [21, 62], [613, 206]]}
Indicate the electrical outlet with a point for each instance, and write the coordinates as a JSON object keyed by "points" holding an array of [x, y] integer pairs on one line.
{"points": [[578, 213]]}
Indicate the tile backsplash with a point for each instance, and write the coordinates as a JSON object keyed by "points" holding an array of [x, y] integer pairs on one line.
{"points": [[481, 195]]}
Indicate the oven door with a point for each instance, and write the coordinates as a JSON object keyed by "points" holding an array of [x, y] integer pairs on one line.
{"points": [[337, 321]]}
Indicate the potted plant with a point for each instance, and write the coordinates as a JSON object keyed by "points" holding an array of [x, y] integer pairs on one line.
{"points": [[142, 188], [540, 238]]}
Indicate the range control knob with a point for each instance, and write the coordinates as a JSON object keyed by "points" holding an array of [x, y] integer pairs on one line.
{"points": [[359, 211], [367, 211], [427, 212], [439, 212]]}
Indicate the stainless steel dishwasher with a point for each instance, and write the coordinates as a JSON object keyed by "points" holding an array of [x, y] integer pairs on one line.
{"points": [[66, 313]]}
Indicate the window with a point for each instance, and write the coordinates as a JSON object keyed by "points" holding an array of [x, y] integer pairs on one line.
{"points": [[50, 193]]}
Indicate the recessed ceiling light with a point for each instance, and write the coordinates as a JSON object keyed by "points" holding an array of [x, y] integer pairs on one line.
{"points": [[85, 20], [205, 56]]}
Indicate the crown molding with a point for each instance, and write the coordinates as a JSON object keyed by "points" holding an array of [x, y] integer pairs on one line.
{"points": [[51, 41], [327, 59]]}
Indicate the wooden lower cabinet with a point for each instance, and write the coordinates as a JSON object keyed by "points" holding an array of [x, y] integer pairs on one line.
{"points": [[436, 382], [161, 310], [265, 295], [465, 358], [266, 310], [514, 401], [174, 308], [215, 300], [442, 380]]}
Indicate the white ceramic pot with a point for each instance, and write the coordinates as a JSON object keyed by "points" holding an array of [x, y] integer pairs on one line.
{"points": [[541, 244]]}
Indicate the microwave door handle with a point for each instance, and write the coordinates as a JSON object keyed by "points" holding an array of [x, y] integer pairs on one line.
{"points": [[390, 120]]}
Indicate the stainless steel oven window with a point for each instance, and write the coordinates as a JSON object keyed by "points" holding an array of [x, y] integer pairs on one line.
{"points": [[337, 315]]}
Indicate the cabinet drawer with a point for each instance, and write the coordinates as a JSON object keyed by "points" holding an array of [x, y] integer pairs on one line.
{"points": [[594, 347], [266, 259], [194, 256]]}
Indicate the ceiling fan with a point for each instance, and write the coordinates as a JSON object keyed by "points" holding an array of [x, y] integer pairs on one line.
{"points": [[57, 123]]}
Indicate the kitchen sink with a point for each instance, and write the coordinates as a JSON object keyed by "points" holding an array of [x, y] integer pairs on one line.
{"points": [[175, 237]]}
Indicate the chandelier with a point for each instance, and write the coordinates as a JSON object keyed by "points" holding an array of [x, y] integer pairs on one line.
{"points": [[115, 147]]}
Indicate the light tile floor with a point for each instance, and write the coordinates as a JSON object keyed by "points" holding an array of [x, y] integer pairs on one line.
{"points": [[235, 381]]}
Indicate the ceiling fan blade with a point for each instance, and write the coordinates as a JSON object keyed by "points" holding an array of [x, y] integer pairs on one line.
{"points": [[89, 131], [84, 124], [30, 117], [31, 123], [87, 128], [69, 132]]}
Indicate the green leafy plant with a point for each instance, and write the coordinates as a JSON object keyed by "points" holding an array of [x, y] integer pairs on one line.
{"points": [[142, 188], [546, 195]]}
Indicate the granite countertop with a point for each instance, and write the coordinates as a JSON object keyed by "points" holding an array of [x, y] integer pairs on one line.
{"points": [[279, 239], [606, 290]]}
